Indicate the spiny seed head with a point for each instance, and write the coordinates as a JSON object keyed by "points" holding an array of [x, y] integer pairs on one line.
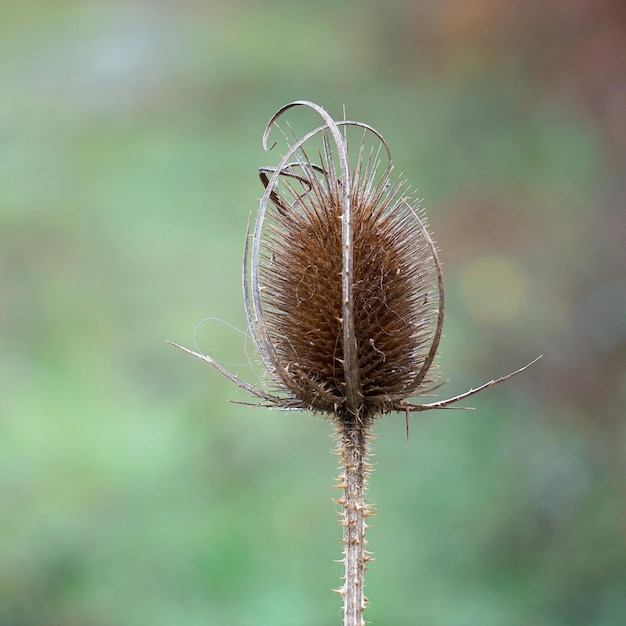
{"points": [[343, 286]]}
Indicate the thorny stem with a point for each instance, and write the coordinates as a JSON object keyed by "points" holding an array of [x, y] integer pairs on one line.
{"points": [[352, 448]]}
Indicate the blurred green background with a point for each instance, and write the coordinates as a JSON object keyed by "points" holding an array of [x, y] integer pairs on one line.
{"points": [[131, 491]]}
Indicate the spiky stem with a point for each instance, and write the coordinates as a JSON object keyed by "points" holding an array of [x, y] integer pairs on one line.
{"points": [[352, 448]]}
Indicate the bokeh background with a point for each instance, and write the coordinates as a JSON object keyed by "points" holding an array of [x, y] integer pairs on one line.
{"points": [[131, 491]]}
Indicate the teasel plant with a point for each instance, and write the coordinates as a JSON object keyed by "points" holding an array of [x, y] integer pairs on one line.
{"points": [[344, 299]]}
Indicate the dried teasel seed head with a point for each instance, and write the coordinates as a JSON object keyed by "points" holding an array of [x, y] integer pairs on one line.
{"points": [[342, 284], [344, 291]]}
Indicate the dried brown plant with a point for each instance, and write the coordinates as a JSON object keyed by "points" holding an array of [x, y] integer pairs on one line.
{"points": [[345, 302]]}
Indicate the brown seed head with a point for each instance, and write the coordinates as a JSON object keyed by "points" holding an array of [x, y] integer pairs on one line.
{"points": [[342, 284], [343, 287]]}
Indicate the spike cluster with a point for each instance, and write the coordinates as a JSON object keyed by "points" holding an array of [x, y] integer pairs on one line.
{"points": [[345, 291], [342, 284]]}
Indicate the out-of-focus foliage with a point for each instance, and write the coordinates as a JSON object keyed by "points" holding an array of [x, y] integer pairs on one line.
{"points": [[131, 491]]}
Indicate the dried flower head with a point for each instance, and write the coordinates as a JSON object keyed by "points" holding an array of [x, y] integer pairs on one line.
{"points": [[346, 296], [342, 283]]}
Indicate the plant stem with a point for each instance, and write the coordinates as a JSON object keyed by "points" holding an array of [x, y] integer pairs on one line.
{"points": [[352, 448]]}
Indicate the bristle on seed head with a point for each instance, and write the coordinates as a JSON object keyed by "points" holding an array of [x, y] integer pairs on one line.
{"points": [[342, 283]]}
